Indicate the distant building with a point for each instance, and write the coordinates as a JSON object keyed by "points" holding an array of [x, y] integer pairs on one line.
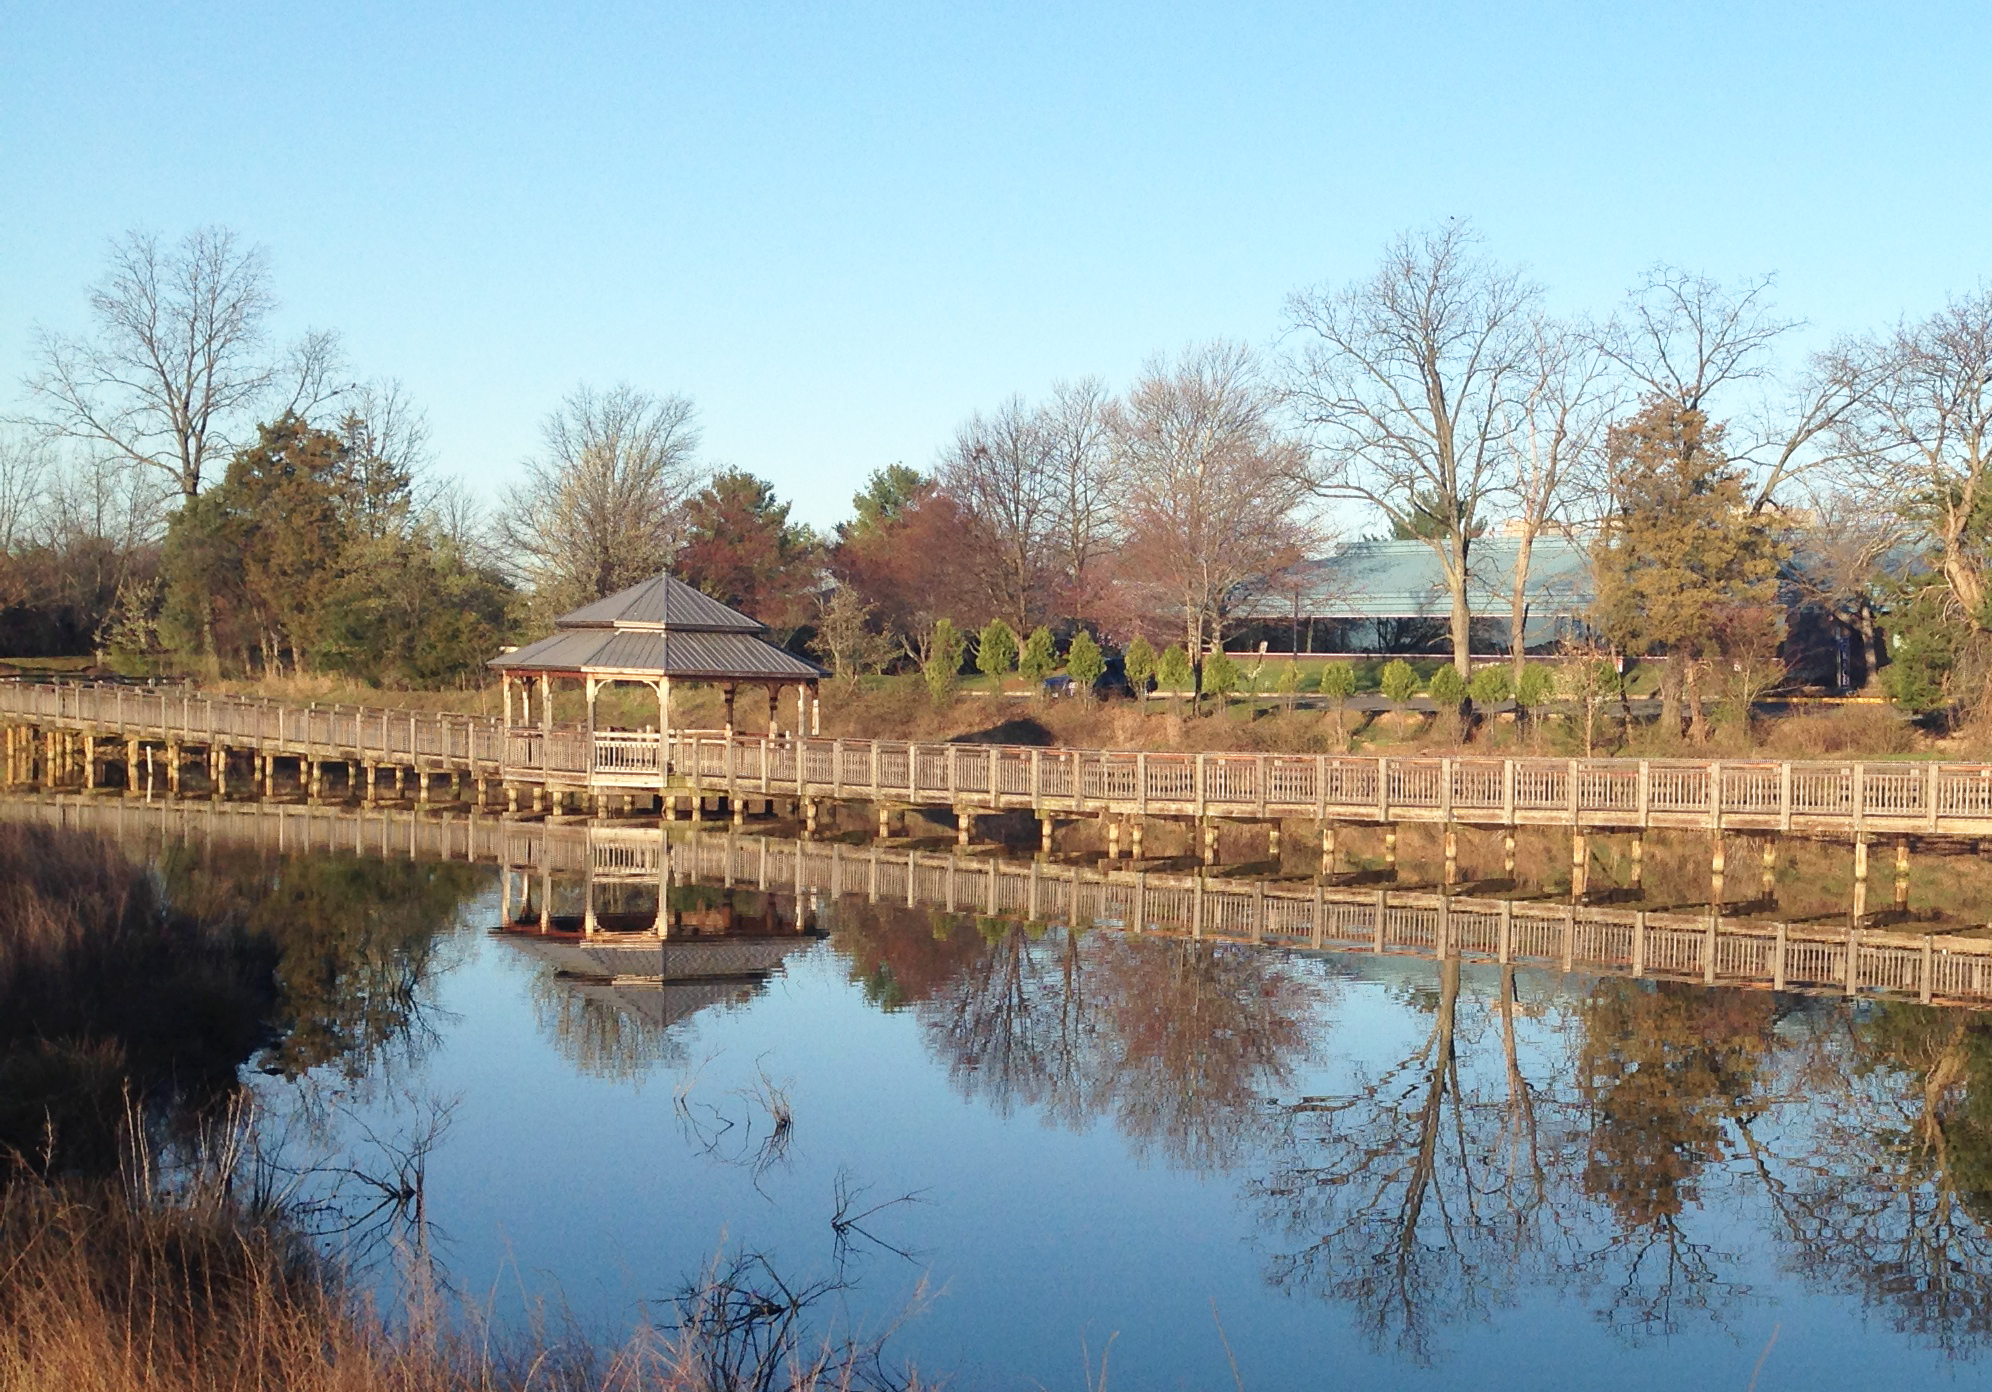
{"points": [[1390, 596]]}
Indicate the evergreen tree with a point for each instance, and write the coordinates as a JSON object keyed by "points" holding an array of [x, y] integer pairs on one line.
{"points": [[1139, 663], [1084, 662], [1173, 671], [1681, 551], [1040, 656], [1220, 676], [944, 653], [996, 650]]}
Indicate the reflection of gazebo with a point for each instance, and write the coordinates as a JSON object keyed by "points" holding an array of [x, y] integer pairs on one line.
{"points": [[651, 635]]}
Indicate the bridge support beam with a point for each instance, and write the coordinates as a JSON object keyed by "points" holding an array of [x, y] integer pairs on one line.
{"points": [[1580, 864], [1452, 854], [1638, 869], [1902, 875], [1860, 879], [1327, 848]]}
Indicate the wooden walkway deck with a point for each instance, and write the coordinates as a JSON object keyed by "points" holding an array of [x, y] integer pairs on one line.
{"points": [[1844, 799], [1799, 957]]}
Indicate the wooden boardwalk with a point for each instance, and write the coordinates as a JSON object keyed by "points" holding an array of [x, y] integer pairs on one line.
{"points": [[1798, 957], [74, 734]]}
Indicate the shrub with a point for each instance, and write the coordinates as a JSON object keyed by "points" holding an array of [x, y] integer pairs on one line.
{"points": [[1287, 684], [943, 664], [1174, 671], [1338, 681], [1397, 680], [996, 650], [1220, 675], [1491, 685], [1084, 662], [1534, 687], [1447, 687], [1139, 663], [1040, 655]]}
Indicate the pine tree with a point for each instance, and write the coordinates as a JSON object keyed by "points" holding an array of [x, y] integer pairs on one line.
{"points": [[996, 650], [1139, 663], [1040, 655], [1084, 662], [1681, 552]]}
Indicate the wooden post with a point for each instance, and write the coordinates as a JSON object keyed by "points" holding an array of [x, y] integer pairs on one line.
{"points": [[1902, 875], [1390, 851], [1860, 879], [1113, 840], [1580, 864], [1639, 942], [1452, 854], [1778, 967], [1718, 863], [1134, 839], [1508, 854], [1638, 869], [1327, 848], [964, 820], [1044, 835], [1209, 842]]}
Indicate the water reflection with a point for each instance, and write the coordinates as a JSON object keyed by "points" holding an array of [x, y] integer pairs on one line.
{"points": [[1176, 1041], [1424, 1145]]}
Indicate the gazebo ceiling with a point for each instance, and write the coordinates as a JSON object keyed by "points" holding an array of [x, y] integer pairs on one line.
{"points": [[660, 628]]}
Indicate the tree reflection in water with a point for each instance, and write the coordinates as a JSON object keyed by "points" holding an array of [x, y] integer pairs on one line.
{"points": [[358, 946], [1177, 1041], [1632, 1145], [1888, 1196]]}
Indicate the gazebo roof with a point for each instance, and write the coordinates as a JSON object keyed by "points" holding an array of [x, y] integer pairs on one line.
{"points": [[660, 628], [662, 602]]}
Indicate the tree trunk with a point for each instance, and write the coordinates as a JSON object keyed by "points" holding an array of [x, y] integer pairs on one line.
{"points": [[1697, 720], [1518, 612], [1670, 695]]}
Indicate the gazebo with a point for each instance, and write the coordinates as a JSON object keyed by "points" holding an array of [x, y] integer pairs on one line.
{"points": [[650, 634]]}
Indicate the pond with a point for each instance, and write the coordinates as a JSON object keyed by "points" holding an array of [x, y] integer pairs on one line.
{"points": [[1033, 1148]]}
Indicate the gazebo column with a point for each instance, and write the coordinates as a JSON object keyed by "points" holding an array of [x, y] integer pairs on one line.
{"points": [[730, 691], [801, 710], [505, 681], [815, 710]]}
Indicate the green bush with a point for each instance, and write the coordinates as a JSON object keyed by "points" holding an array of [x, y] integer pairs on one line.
{"points": [[1084, 662], [1040, 655], [1535, 686], [1288, 681], [1173, 671], [943, 662], [1220, 675], [1139, 664], [1338, 681], [1447, 687], [1397, 680], [1491, 685], [996, 649]]}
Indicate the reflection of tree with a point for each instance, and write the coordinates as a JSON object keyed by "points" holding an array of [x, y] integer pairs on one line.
{"points": [[1414, 1197], [604, 1037], [1666, 1072], [356, 941], [1177, 1040], [1888, 1195]]}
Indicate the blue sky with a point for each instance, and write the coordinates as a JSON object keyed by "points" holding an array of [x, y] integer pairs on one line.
{"points": [[842, 227]]}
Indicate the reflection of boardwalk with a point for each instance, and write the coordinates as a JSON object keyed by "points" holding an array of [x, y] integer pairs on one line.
{"points": [[1608, 941]]}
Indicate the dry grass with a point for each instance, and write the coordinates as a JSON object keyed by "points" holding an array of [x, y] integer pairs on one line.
{"points": [[104, 1289]]}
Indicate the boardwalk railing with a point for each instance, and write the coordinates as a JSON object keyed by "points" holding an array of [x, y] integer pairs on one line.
{"points": [[1601, 941], [1843, 798], [188, 717]]}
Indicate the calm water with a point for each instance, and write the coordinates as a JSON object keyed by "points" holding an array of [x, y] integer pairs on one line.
{"points": [[1352, 1171]]}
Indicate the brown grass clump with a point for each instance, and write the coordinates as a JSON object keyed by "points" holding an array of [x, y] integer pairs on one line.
{"points": [[1839, 732], [107, 1288], [104, 993]]}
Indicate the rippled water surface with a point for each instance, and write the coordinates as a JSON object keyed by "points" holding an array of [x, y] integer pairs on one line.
{"points": [[1336, 1170]]}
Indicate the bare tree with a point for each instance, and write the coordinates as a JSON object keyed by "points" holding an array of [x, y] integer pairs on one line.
{"points": [[181, 362], [1079, 451], [1689, 338], [25, 468], [1557, 420], [1407, 381], [1921, 433], [1000, 469], [1214, 487], [387, 447], [602, 506]]}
